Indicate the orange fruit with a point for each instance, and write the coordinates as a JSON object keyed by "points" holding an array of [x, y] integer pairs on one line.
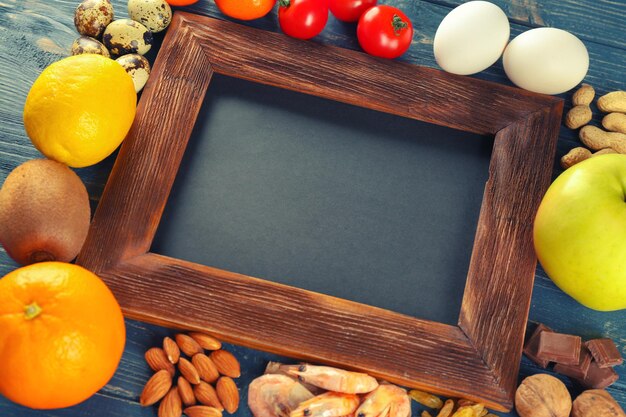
{"points": [[62, 335], [245, 9]]}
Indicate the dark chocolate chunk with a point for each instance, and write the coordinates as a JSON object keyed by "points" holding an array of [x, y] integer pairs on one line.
{"points": [[599, 378], [578, 371], [531, 346], [604, 352], [560, 348]]}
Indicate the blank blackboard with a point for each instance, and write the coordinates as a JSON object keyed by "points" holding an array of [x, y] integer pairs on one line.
{"points": [[328, 197]]}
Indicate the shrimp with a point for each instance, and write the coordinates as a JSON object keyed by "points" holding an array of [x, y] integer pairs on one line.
{"points": [[332, 379], [385, 401], [275, 368], [329, 404], [273, 395]]}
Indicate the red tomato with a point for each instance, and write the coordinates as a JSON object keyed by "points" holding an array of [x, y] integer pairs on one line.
{"points": [[350, 10], [302, 19], [181, 2], [384, 31]]}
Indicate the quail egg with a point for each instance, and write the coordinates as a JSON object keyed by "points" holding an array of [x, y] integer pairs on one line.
{"points": [[87, 45], [125, 36], [156, 15], [137, 67], [92, 17]]}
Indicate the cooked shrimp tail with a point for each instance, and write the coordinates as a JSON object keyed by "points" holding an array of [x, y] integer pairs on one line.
{"points": [[332, 379], [329, 404]]}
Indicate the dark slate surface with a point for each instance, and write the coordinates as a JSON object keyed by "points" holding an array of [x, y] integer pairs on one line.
{"points": [[329, 197]]}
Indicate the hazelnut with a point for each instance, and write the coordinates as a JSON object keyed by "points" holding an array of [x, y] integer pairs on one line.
{"points": [[596, 403], [542, 395]]}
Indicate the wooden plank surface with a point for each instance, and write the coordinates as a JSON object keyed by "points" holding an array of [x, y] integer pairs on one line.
{"points": [[35, 33]]}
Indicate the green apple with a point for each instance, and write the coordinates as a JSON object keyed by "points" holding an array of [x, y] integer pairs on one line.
{"points": [[580, 232]]}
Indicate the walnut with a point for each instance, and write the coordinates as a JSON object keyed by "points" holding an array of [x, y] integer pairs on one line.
{"points": [[542, 395], [596, 403]]}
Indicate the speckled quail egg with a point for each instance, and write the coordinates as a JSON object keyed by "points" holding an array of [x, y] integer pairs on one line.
{"points": [[87, 45], [156, 15], [92, 17], [125, 36], [137, 67]]}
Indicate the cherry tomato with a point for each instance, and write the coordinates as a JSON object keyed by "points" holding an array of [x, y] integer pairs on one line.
{"points": [[245, 9], [302, 19], [350, 10], [384, 31], [181, 2]]}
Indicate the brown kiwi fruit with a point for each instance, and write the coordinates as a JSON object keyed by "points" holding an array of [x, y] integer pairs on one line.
{"points": [[44, 212]]}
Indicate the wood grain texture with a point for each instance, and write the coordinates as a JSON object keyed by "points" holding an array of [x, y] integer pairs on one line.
{"points": [[36, 33], [505, 232], [266, 315], [152, 151], [296, 323], [362, 80]]}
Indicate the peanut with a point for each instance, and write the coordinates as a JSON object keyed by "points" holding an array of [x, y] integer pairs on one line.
{"points": [[613, 102], [575, 156], [583, 96], [615, 122], [578, 116], [579, 154], [595, 138]]}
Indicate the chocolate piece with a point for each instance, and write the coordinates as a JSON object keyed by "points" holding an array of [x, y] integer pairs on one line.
{"points": [[599, 378], [531, 346], [604, 352], [578, 371], [559, 347]]}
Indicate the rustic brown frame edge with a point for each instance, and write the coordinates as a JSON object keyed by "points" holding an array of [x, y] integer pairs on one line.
{"points": [[477, 360]]}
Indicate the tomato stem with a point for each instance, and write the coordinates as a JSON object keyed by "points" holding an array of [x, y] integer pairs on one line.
{"points": [[397, 23], [284, 3], [31, 311]]}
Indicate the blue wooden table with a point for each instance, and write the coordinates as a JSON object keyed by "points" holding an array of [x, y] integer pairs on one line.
{"points": [[35, 33]]}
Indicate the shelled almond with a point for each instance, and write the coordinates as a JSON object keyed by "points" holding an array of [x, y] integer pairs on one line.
{"points": [[196, 360], [187, 345], [171, 350], [226, 363]]}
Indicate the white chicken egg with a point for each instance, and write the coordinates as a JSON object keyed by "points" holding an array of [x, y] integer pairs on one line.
{"points": [[546, 60], [471, 37]]}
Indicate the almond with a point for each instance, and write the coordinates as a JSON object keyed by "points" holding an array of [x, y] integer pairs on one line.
{"points": [[205, 366], [226, 363], [156, 388], [186, 392], [188, 371], [207, 395], [171, 350], [157, 360], [228, 394], [187, 345], [171, 406], [205, 341], [202, 411]]}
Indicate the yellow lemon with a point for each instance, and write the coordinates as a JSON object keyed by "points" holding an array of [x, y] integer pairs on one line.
{"points": [[80, 109]]}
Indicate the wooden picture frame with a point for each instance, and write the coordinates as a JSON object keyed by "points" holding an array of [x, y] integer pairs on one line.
{"points": [[478, 359]]}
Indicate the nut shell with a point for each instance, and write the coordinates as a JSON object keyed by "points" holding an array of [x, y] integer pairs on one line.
{"points": [[542, 395], [91, 17], [596, 403]]}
